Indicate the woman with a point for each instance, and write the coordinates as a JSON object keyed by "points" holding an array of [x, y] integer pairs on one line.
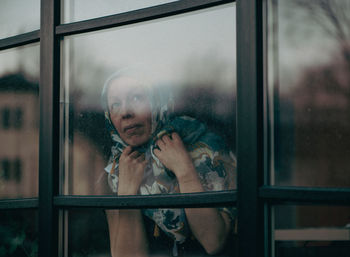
{"points": [[156, 153]]}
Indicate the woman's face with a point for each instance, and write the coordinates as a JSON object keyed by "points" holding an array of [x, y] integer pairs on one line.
{"points": [[130, 110]]}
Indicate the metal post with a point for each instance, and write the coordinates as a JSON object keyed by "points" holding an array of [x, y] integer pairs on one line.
{"points": [[250, 128], [49, 127]]}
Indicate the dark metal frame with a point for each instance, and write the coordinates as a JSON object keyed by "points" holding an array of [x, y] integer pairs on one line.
{"points": [[19, 40], [146, 14], [206, 199], [12, 204], [254, 196], [250, 132], [49, 128]]}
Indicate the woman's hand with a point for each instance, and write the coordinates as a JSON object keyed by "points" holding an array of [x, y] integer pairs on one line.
{"points": [[173, 154], [131, 168], [208, 225]]}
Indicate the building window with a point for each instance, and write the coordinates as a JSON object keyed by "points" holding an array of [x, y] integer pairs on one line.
{"points": [[12, 118], [17, 170], [12, 170], [6, 118], [6, 169], [17, 118]]}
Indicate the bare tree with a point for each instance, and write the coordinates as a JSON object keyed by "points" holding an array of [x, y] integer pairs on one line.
{"points": [[334, 18]]}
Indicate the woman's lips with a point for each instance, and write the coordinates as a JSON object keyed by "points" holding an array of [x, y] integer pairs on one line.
{"points": [[131, 129]]}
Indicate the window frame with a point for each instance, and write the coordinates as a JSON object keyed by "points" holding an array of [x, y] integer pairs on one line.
{"points": [[254, 196]]}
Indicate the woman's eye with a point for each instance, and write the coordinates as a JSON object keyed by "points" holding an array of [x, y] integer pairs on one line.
{"points": [[115, 106]]}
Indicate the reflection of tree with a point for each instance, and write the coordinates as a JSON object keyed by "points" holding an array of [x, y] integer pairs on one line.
{"points": [[90, 123], [319, 124], [314, 126], [322, 110], [216, 110], [91, 240], [208, 94], [333, 16], [18, 234], [322, 95]]}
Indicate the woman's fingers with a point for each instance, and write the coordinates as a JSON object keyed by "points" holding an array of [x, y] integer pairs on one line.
{"points": [[160, 143], [134, 154], [127, 150], [156, 152], [166, 139], [137, 156], [140, 158], [175, 136]]}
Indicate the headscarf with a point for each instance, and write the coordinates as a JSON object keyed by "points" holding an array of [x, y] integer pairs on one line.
{"points": [[214, 163]]}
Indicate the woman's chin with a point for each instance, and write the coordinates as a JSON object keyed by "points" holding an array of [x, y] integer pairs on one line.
{"points": [[136, 141]]}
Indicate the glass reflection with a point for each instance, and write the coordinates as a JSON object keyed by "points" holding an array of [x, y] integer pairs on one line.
{"points": [[18, 233], [19, 122], [309, 79], [312, 231], [17, 17], [101, 238], [77, 10], [177, 56]]}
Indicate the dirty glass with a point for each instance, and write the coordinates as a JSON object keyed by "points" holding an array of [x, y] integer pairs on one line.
{"points": [[18, 16], [183, 66], [77, 10], [308, 87], [18, 233], [100, 237], [19, 122], [311, 231]]}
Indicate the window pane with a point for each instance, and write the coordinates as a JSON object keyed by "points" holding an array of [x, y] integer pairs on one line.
{"points": [[188, 63], [18, 233], [312, 231], [308, 63], [17, 17], [19, 128], [94, 239], [77, 10]]}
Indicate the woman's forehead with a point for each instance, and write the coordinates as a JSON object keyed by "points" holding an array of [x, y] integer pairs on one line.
{"points": [[125, 86]]}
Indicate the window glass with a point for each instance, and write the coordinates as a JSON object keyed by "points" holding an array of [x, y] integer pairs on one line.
{"points": [[181, 66], [19, 130], [19, 233], [308, 74], [159, 228], [18, 16], [312, 231], [77, 10]]}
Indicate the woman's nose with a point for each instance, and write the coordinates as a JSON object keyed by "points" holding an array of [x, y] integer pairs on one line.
{"points": [[126, 110]]}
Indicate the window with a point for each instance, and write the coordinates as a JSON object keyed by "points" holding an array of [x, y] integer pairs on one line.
{"points": [[19, 110], [6, 118], [11, 170], [18, 118], [6, 169], [17, 170], [286, 121], [12, 118]]}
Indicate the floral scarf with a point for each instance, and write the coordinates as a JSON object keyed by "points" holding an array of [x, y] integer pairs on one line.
{"points": [[214, 163]]}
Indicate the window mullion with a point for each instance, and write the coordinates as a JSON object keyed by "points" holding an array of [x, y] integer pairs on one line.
{"points": [[19, 40], [250, 133], [24, 203], [141, 15], [205, 199], [49, 126]]}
